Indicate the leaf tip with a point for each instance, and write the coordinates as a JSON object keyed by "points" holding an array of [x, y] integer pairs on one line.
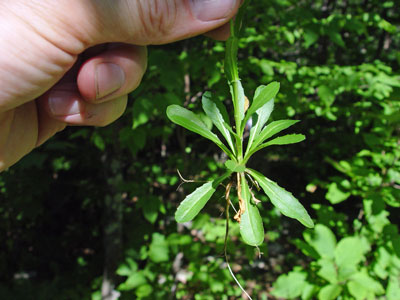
{"points": [[169, 110], [308, 223]]}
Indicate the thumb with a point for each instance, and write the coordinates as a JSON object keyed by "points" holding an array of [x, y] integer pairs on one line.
{"points": [[145, 22]]}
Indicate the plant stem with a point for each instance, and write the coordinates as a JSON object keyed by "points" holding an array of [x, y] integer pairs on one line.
{"points": [[233, 78], [239, 139]]}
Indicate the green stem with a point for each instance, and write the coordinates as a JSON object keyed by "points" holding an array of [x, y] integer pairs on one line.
{"points": [[239, 139], [233, 77]]}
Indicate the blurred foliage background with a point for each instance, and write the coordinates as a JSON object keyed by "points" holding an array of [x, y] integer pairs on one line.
{"points": [[93, 209]]}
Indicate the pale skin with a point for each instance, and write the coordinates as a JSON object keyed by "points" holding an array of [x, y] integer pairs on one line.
{"points": [[73, 62]]}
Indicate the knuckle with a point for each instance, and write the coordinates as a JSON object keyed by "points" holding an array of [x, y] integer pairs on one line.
{"points": [[157, 17]]}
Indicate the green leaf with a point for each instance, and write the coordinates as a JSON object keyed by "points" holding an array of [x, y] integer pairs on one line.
{"points": [[308, 291], [231, 131], [322, 240], [358, 291], [307, 249], [282, 140], [239, 17], [283, 200], [393, 288], [336, 38], [134, 280], [290, 286], [329, 292], [238, 99], [193, 203], [127, 268], [335, 194], [262, 96], [216, 117], [326, 94], [344, 273], [310, 37], [285, 140], [158, 250], [259, 119], [144, 291], [98, 141], [272, 129], [150, 208], [251, 226], [187, 119], [264, 113], [223, 111], [142, 111], [368, 283], [234, 166], [327, 270], [230, 66], [349, 251]]}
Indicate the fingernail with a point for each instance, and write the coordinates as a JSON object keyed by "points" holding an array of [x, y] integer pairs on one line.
{"points": [[61, 104], [109, 78], [211, 10]]}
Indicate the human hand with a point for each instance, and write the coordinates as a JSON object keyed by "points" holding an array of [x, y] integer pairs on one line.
{"points": [[73, 62]]}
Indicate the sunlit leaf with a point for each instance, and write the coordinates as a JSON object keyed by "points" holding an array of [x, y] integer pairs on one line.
{"points": [[272, 129], [216, 117], [234, 166], [327, 270], [193, 203], [251, 226], [349, 251], [362, 280], [263, 115], [286, 203], [262, 96], [158, 250], [282, 140], [323, 240], [393, 288], [259, 119], [290, 286], [187, 119], [238, 99], [329, 292], [230, 66]]}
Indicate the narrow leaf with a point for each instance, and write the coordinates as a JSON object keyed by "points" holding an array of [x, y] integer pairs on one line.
{"points": [[230, 66], [262, 96], [272, 129], [231, 131], [238, 99], [282, 140], [187, 119], [223, 111], [193, 203], [234, 166], [251, 226], [263, 114], [259, 119], [238, 19], [216, 117], [286, 203]]}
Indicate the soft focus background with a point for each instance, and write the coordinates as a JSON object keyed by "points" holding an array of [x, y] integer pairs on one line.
{"points": [[94, 207]]}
